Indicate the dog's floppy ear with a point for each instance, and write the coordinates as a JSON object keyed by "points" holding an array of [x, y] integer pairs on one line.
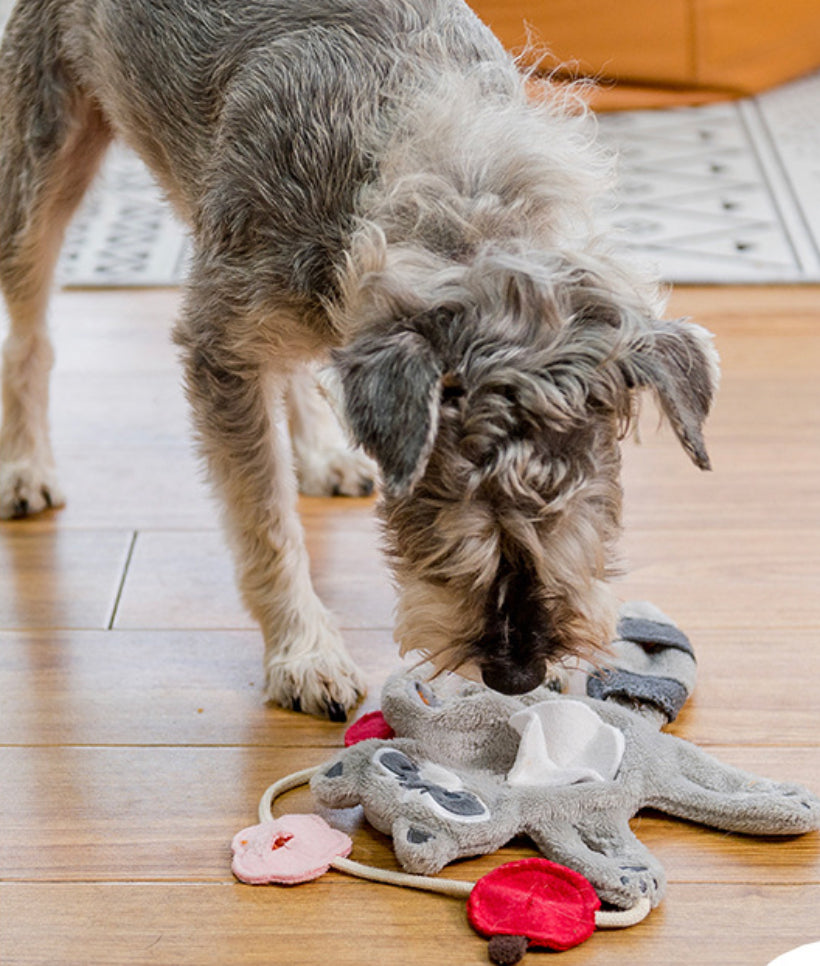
{"points": [[679, 362], [391, 388]]}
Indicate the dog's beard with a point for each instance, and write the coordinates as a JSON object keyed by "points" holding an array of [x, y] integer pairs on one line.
{"points": [[431, 623]]}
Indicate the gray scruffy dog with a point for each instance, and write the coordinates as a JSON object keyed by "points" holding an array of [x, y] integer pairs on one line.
{"points": [[375, 179]]}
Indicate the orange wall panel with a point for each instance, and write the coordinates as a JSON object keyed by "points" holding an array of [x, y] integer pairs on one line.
{"points": [[641, 39], [751, 44], [735, 46]]}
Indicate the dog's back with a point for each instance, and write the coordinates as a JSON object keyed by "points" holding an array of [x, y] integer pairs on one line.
{"points": [[298, 88]]}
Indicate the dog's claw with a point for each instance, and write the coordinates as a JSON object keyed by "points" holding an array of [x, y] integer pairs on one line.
{"points": [[336, 711], [21, 507]]}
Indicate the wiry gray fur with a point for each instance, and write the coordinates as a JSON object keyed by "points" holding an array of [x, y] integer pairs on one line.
{"points": [[370, 177]]}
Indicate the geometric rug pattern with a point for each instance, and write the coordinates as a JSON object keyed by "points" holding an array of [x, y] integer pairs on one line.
{"points": [[722, 193], [726, 192], [124, 234]]}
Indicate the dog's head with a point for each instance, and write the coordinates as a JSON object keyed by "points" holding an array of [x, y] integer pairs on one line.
{"points": [[496, 418]]}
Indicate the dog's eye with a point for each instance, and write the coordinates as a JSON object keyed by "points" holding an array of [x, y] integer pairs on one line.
{"points": [[451, 391]]}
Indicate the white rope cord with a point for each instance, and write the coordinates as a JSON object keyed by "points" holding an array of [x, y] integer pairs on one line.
{"points": [[623, 918], [448, 887], [279, 788], [610, 919]]}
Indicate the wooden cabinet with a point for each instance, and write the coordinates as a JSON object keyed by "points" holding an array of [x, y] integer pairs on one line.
{"points": [[730, 46]]}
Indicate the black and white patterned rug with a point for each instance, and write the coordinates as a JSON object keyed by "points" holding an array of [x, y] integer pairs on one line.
{"points": [[724, 193], [717, 194]]}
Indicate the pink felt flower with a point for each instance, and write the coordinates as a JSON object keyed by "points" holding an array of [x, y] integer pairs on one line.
{"points": [[288, 850]]}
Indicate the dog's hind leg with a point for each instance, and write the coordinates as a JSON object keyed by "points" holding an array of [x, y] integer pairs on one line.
{"points": [[237, 403], [326, 465], [51, 140]]}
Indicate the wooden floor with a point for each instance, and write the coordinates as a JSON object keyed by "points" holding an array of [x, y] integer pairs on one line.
{"points": [[134, 740]]}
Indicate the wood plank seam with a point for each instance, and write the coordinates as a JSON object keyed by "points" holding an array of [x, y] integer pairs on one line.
{"points": [[121, 587]]}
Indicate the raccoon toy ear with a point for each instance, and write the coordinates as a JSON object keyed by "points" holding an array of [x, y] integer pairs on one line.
{"points": [[391, 389], [679, 362]]}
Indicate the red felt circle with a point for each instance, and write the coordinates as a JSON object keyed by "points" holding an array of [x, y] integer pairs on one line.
{"points": [[371, 725], [551, 905]]}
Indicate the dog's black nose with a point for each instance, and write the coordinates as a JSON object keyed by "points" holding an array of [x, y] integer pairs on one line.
{"points": [[513, 678]]}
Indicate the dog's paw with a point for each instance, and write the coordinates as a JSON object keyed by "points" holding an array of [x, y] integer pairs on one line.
{"points": [[27, 487], [335, 471], [324, 683]]}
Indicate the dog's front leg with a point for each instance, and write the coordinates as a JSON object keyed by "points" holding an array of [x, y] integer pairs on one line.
{"points": [[326, 465], [234, 403]]}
